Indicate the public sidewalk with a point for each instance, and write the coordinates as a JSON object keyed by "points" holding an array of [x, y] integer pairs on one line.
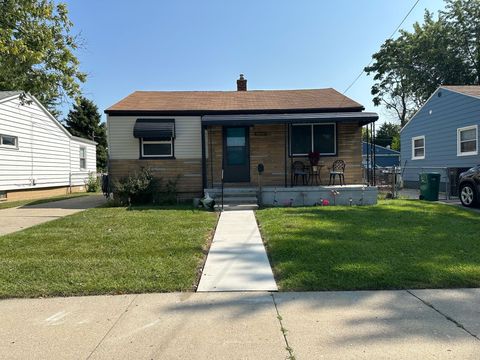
{"points": [[417, 324], [237, 260]]}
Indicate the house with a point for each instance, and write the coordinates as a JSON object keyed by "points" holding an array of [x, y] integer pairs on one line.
{"points": [[384, 156], [202, 135], [38, 156], [442, 136]]}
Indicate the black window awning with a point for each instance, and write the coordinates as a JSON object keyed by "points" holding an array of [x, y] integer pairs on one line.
{"points": [[154, 128]]}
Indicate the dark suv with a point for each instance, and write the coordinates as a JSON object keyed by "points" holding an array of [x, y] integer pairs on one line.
{"points": [[469, 187]]}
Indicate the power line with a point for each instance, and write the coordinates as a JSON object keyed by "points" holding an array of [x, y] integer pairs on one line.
{"points": [[391, 36]]}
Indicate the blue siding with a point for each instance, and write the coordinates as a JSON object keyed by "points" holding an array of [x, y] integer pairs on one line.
{"points": [[438, 120], [383, 157]]}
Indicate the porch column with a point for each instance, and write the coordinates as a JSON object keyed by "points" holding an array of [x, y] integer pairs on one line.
{"points": [[286, 154]]}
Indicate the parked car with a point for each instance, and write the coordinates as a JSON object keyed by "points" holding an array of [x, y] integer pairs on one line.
{"points": [[469, 187]]}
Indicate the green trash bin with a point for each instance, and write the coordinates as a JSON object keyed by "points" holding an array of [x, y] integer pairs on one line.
{"points": [[429, 186]]}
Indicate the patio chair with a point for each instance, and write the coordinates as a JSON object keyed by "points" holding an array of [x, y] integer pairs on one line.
{"points": [[338, 168], [298, 169]]}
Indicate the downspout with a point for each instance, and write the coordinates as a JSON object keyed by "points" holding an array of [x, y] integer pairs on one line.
{"points": [[204, 169]]}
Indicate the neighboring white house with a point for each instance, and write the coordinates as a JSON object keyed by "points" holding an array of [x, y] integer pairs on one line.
{"points": [[38, 156]]}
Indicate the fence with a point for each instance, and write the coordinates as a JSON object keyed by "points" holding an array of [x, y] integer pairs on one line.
{"points": [[405, 180]]}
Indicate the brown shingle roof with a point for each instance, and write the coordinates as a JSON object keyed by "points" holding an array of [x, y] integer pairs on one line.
{"points": [[472, 90], [235, 101]]}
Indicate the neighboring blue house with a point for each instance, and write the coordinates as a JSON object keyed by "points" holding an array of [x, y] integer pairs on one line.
{"points": [[384, 157], [442, 136]]}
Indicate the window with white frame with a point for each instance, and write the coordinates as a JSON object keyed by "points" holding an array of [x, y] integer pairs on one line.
{"points": [[418, 147], [467, 140], [83, 157], [157, 148], [8, 141], [306, 138]]}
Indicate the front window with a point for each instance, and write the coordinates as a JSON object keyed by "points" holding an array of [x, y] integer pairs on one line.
{"points": [[157, 148], [306, 138], [83, 158], [418, 148], [8, 141], [467, 140]]}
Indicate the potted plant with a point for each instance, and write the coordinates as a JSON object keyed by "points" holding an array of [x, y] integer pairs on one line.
{"points": [[314, 158]]}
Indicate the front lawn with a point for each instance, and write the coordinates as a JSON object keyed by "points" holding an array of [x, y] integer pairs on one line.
{"points": [[393, 245], [106, 251]]}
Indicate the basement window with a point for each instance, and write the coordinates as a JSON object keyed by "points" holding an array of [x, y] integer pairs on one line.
{"points": [[8, 141], [3, 195]]}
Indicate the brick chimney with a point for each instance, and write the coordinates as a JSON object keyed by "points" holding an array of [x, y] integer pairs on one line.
{"points": [[241, 83]]}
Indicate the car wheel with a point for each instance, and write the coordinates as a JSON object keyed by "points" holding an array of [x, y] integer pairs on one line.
{"points": [[468, 195]]}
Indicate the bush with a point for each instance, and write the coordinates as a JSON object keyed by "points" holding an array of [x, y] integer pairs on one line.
{"points": [[137, 188], [168, 195], [92, 183], [143, 188]]}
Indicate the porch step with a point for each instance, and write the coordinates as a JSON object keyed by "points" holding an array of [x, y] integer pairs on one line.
{"points": [[236, 200], [233, 207], [232, 192]]}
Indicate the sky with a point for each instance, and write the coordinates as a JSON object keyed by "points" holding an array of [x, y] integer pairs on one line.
{"points": [[205, 45]]}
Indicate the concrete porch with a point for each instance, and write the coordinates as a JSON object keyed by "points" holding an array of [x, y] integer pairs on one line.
{"points": [[252, 197]]}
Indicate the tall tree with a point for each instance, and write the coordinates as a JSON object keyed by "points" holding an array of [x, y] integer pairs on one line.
{"points": [[37, 51], [442, 50], [84, 120], [386, 133]]}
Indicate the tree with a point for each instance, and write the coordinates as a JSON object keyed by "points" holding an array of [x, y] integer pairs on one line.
{"points": [[84, 121], [386, 133], [37, 51], [445, 50], [396, 143]]}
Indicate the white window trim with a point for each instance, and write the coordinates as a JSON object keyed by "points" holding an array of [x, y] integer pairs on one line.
{"points": [[312, 140], [170, 142], [459, 147], [424, 147], [6, 146], [80, 157]]}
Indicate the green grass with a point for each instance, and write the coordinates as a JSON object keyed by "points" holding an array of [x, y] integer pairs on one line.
{"points": [[11, 204], [106, 251], [394, 245]]}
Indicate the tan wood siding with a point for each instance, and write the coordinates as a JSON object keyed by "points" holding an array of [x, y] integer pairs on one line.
{"points": [[123, 145]]}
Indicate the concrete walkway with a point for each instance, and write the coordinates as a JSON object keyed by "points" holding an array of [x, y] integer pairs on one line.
{"points": [[22, 217], [237, 260], [419, 324]]}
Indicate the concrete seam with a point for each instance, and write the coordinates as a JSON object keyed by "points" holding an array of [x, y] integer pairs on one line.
{"points": [[111, 328], [291, 355], [459, 325]]}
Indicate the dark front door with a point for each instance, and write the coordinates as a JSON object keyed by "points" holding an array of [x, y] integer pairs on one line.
{"points": [[236, 151]]}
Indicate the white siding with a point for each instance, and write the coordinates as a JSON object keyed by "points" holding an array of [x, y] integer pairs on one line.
{"points": [[43, 157], [122, 144], [79, 176]]}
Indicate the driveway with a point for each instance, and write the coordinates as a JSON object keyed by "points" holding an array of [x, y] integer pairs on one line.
{"points": [[412, 324], [22, 217]]}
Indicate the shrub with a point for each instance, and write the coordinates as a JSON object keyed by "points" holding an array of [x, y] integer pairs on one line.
{"points": [[168, 195], [137, 188], [92, 183]]}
